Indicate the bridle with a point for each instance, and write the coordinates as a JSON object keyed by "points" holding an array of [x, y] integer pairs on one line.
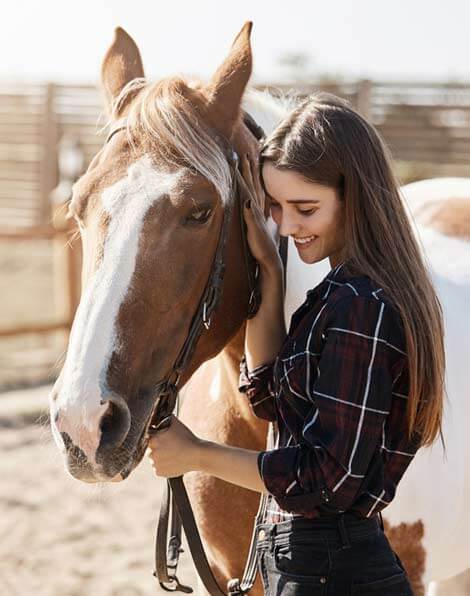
{"points": [[166, 394]]}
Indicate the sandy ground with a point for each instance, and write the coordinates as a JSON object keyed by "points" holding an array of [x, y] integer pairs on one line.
{"points": [[64, 538]]}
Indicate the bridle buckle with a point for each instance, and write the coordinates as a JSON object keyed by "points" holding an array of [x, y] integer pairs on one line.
{"points": [[205, 319]]}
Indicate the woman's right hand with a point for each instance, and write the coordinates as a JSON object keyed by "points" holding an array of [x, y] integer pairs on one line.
{"points": [[261, 243]]}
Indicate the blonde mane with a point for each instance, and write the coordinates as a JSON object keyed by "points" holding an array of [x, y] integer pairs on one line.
{"points": [[161, 116]]}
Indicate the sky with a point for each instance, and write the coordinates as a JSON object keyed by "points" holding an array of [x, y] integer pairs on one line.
{"points": [[64, 41]]}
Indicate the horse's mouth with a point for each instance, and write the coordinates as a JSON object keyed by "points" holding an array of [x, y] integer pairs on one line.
{"points": [[141, 445], [136, 457], [112, 465]]}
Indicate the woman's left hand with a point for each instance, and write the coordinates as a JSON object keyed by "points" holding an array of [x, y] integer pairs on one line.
{"points": [[172, 450]]}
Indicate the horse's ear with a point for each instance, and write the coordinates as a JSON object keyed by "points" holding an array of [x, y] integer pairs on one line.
{"points": [[226, 88], [121, 64]]}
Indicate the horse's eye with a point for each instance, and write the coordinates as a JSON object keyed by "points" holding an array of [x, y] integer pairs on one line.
{"points": [[200, 216]]}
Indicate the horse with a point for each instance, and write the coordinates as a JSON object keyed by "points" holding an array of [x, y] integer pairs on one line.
{"points": [[149, 209], [442, 204]]}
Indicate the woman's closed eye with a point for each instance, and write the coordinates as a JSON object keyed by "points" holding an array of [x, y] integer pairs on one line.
{"points": [[305, 212]]}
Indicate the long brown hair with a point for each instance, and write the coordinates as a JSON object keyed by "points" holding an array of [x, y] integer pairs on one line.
{"points": [[329, 143]]}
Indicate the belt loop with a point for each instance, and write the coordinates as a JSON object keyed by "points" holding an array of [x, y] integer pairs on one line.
{"points": [[343, 533], [272, 537]]}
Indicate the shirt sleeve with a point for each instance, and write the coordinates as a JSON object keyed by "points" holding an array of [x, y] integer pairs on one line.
{"points": [[351, 393], [258, 385]]}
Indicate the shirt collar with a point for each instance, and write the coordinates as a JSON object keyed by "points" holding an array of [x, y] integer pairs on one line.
{"points": [[338, 272]]}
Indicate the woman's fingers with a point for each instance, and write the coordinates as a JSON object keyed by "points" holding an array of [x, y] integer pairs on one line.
{"points": [[261, 195], [246, 171], [251, 177]]}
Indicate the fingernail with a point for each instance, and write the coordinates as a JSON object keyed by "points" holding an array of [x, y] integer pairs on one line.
{"points": [[247, 203]]}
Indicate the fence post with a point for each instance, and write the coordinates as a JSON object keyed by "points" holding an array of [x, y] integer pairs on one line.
{"points": [[48, 172], [67, 246], [364, 92]]}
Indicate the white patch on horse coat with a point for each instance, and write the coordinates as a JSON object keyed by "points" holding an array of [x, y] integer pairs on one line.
{"points": [[424, 198], [93, 336], [214, 389]]}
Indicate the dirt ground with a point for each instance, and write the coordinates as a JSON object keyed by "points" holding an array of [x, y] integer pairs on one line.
{"points": [[64, 538]]}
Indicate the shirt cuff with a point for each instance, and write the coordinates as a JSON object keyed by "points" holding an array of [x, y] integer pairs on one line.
{"points": [[257, 378], [281, 472], [258, 385]]}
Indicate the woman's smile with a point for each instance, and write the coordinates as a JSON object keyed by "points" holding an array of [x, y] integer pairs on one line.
{"points": [[302, 243]]}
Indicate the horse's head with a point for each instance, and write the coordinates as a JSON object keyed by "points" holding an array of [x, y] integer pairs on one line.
{"points": [[150, 210]]}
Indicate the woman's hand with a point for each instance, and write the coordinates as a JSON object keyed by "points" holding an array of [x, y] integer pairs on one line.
{"points": [[173, 450], [261, 243]]}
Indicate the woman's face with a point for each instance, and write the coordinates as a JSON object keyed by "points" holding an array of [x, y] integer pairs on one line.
{"points": [[311, 213]]}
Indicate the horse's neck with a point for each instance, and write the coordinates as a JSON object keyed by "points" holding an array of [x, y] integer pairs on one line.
{"points": [[228, 363]]}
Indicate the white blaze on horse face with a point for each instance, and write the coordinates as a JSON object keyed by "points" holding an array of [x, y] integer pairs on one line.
{"points": [[82, 388]]}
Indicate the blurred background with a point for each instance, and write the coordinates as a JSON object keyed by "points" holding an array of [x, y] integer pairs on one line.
{"points": [[404, 65]]}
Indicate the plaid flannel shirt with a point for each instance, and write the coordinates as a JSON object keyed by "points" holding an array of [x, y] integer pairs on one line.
{"points": [[338, 393]]}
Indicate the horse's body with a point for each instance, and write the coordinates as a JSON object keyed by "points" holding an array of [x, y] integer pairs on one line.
{"points": [[442, 204], [142, 285]]}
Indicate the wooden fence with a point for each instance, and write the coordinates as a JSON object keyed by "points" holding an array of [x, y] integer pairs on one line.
{"points": [[425, 125]]}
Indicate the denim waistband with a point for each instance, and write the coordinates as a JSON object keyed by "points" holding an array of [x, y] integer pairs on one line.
{"points": [[344, 528]]}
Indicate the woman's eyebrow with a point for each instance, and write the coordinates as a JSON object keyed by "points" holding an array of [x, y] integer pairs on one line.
{"points": [[295, 200]]}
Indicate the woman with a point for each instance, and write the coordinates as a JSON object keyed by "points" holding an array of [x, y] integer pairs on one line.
{"points": [[356, 385]]}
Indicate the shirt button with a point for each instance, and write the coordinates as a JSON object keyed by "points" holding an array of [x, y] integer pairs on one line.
{"points": [[262, 535], [323, 580]]}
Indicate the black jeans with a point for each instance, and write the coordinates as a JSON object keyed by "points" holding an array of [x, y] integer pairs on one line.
{"points": [[335, 556]]}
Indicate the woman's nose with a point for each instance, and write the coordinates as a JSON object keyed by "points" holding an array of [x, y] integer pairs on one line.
{"points": [[287, 227]]}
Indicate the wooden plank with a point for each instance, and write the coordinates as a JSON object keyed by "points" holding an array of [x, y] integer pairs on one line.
{"points": [[20, 118], [48, 174], [19, 156], [8, 175], [10, 214], [10, 202], [32, 233], [41, 328]]}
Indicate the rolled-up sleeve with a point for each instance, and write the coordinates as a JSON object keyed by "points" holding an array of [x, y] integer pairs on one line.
{"points": [[350, 390], [258, 385]]}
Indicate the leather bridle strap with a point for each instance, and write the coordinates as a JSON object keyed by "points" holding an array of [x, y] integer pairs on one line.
{"points": [[166, 396], [167, 558]]}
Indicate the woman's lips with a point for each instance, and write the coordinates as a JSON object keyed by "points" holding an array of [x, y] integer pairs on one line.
{"points": [[305, 242]]}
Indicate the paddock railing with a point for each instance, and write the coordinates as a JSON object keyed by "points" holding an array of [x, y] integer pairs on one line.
{"points": [[426, 126]]}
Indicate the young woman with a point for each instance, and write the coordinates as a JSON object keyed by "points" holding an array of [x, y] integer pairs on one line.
{"points": [[356, 385]]}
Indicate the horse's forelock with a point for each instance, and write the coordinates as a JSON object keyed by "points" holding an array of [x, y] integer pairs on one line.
{"points": [[162, 116]]}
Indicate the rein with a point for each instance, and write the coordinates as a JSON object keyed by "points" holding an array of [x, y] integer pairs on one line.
{"points": [[175, 502]]}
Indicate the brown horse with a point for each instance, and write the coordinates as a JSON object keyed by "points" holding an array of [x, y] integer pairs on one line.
{"points": [[150, 208]]}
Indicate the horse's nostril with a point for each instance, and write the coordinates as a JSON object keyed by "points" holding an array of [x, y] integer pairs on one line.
{"points": [[115, 423]]}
